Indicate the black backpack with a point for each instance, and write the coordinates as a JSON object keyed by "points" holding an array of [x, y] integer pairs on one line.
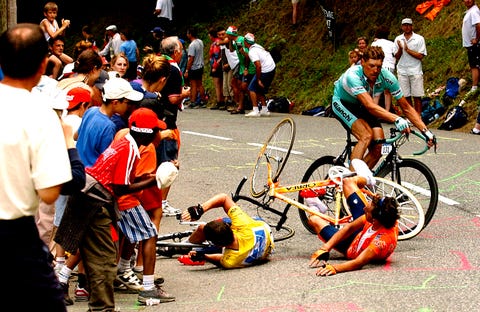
{"points": [[279, 104], [456, 118]]}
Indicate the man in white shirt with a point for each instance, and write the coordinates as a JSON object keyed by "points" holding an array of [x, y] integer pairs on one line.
{"points": [[112, 48], [410, 49], [34, 165], [163, 12], [264, 73]]}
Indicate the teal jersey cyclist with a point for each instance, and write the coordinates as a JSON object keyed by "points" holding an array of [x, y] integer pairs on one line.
{"points": [[353, 105]]}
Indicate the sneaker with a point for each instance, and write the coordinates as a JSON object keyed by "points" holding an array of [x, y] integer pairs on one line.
{"points": [[169, 211], [66, 297], [186, 260], [253, 114], [475, 133], [130, 280], [81, 294], [156, 293], [264, 112], [316, 204]]}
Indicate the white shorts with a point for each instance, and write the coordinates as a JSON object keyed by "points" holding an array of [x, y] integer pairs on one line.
{"points": [[411, 85]]}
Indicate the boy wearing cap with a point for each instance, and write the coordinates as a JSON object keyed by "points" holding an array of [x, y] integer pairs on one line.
{"points": [[97, 131], [409, 51], [264, 73], [89, 222]]}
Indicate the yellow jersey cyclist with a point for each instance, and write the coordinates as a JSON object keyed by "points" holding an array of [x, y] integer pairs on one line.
{"points": [[354, 107]]}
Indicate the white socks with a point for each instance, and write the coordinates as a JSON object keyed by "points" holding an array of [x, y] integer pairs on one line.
{"points": [[362, 170]]}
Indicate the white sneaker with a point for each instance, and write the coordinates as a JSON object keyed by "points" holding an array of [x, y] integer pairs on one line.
{"points": [[362, 170], [168, 210], [253, 114], [130, 280], [264, 112]]}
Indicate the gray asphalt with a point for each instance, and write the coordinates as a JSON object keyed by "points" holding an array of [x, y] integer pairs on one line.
{"points": [[435, 271]]}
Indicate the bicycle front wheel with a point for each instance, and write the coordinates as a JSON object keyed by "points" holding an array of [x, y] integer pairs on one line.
{"points": [[412, 217], [276, 149], [255, 209], [318, 171], [419, 180]]}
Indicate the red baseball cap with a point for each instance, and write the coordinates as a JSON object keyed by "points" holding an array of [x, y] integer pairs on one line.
{"points": [[145, 121], [76, 96]]}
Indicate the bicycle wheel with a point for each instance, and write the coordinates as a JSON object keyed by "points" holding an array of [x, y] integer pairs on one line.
{"points": [[277, 149], [418, 179], [412, 217], [255, 210], [318, 171]]}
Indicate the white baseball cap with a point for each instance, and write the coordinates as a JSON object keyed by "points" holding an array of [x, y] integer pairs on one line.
{"points": [[166, 174], [119, 88], [407, 21]]}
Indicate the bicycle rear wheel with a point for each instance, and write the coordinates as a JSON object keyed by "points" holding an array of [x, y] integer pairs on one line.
{"points": [[419, 180], [318, 171], [256, 210], [412, 217], [277, 149]]}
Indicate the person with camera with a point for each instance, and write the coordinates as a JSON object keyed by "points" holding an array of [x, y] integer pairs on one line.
{"points": [[243, 240]]}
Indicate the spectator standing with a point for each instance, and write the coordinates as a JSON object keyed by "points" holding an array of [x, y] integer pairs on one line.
{"points": [[265, 71], [388, 47], [39, 169], [164, 15], [362, 44], [410, 49], [236, 45], [57, 60], [229, 60], [49, 24], [353, 57], [194, 71], [129, 47], [216, 72], [112, 47], [471, 40], [172, 96], [119, 65], [184, 59]]}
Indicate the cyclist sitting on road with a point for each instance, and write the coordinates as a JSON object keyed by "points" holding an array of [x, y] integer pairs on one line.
{"points": [[245, 241], [354, 107], [370, 237]]}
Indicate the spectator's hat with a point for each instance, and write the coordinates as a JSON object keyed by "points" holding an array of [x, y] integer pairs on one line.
{"points": [[232, 31], [145, 120], [76, 96], [157, 30], [182, 41], [166, 174], [407, 21], [111, 28], [250, 38], [119, 88]]}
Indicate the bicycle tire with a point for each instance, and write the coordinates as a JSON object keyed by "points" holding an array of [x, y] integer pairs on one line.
{"points": [[256, 210], [277, 147], [318, 171], [412, 217], [419, 180]]}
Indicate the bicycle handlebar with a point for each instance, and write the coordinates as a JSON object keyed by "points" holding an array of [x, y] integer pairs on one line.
{"points": [[400, 135]]}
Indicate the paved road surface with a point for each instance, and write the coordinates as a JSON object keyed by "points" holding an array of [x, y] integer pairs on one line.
{"points": [[436, 271]]}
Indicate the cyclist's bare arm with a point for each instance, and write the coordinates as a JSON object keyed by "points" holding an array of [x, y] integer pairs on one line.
{"points": [[364, 258]]}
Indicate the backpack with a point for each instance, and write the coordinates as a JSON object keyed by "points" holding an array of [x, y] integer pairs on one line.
{"points": [[456, 118], [431, 111], [276, 54], [451, 91], [316, 111], [279, 104]]}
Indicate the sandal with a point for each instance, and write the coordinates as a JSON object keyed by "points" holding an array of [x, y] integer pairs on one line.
{"points": [[237, 111]]}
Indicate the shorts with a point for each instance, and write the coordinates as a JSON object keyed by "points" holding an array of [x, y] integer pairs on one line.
{"points": [[473, 53], [151, 198], [266, 79], [167, 150], [136, 225], [195, 74], [216, 74], [347, 113], [247, 78], [411, 85], [60, 205]]}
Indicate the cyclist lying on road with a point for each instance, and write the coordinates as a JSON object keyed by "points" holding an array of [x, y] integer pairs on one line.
{"points": [[245, 241], [369, 238], [354, 107]]}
